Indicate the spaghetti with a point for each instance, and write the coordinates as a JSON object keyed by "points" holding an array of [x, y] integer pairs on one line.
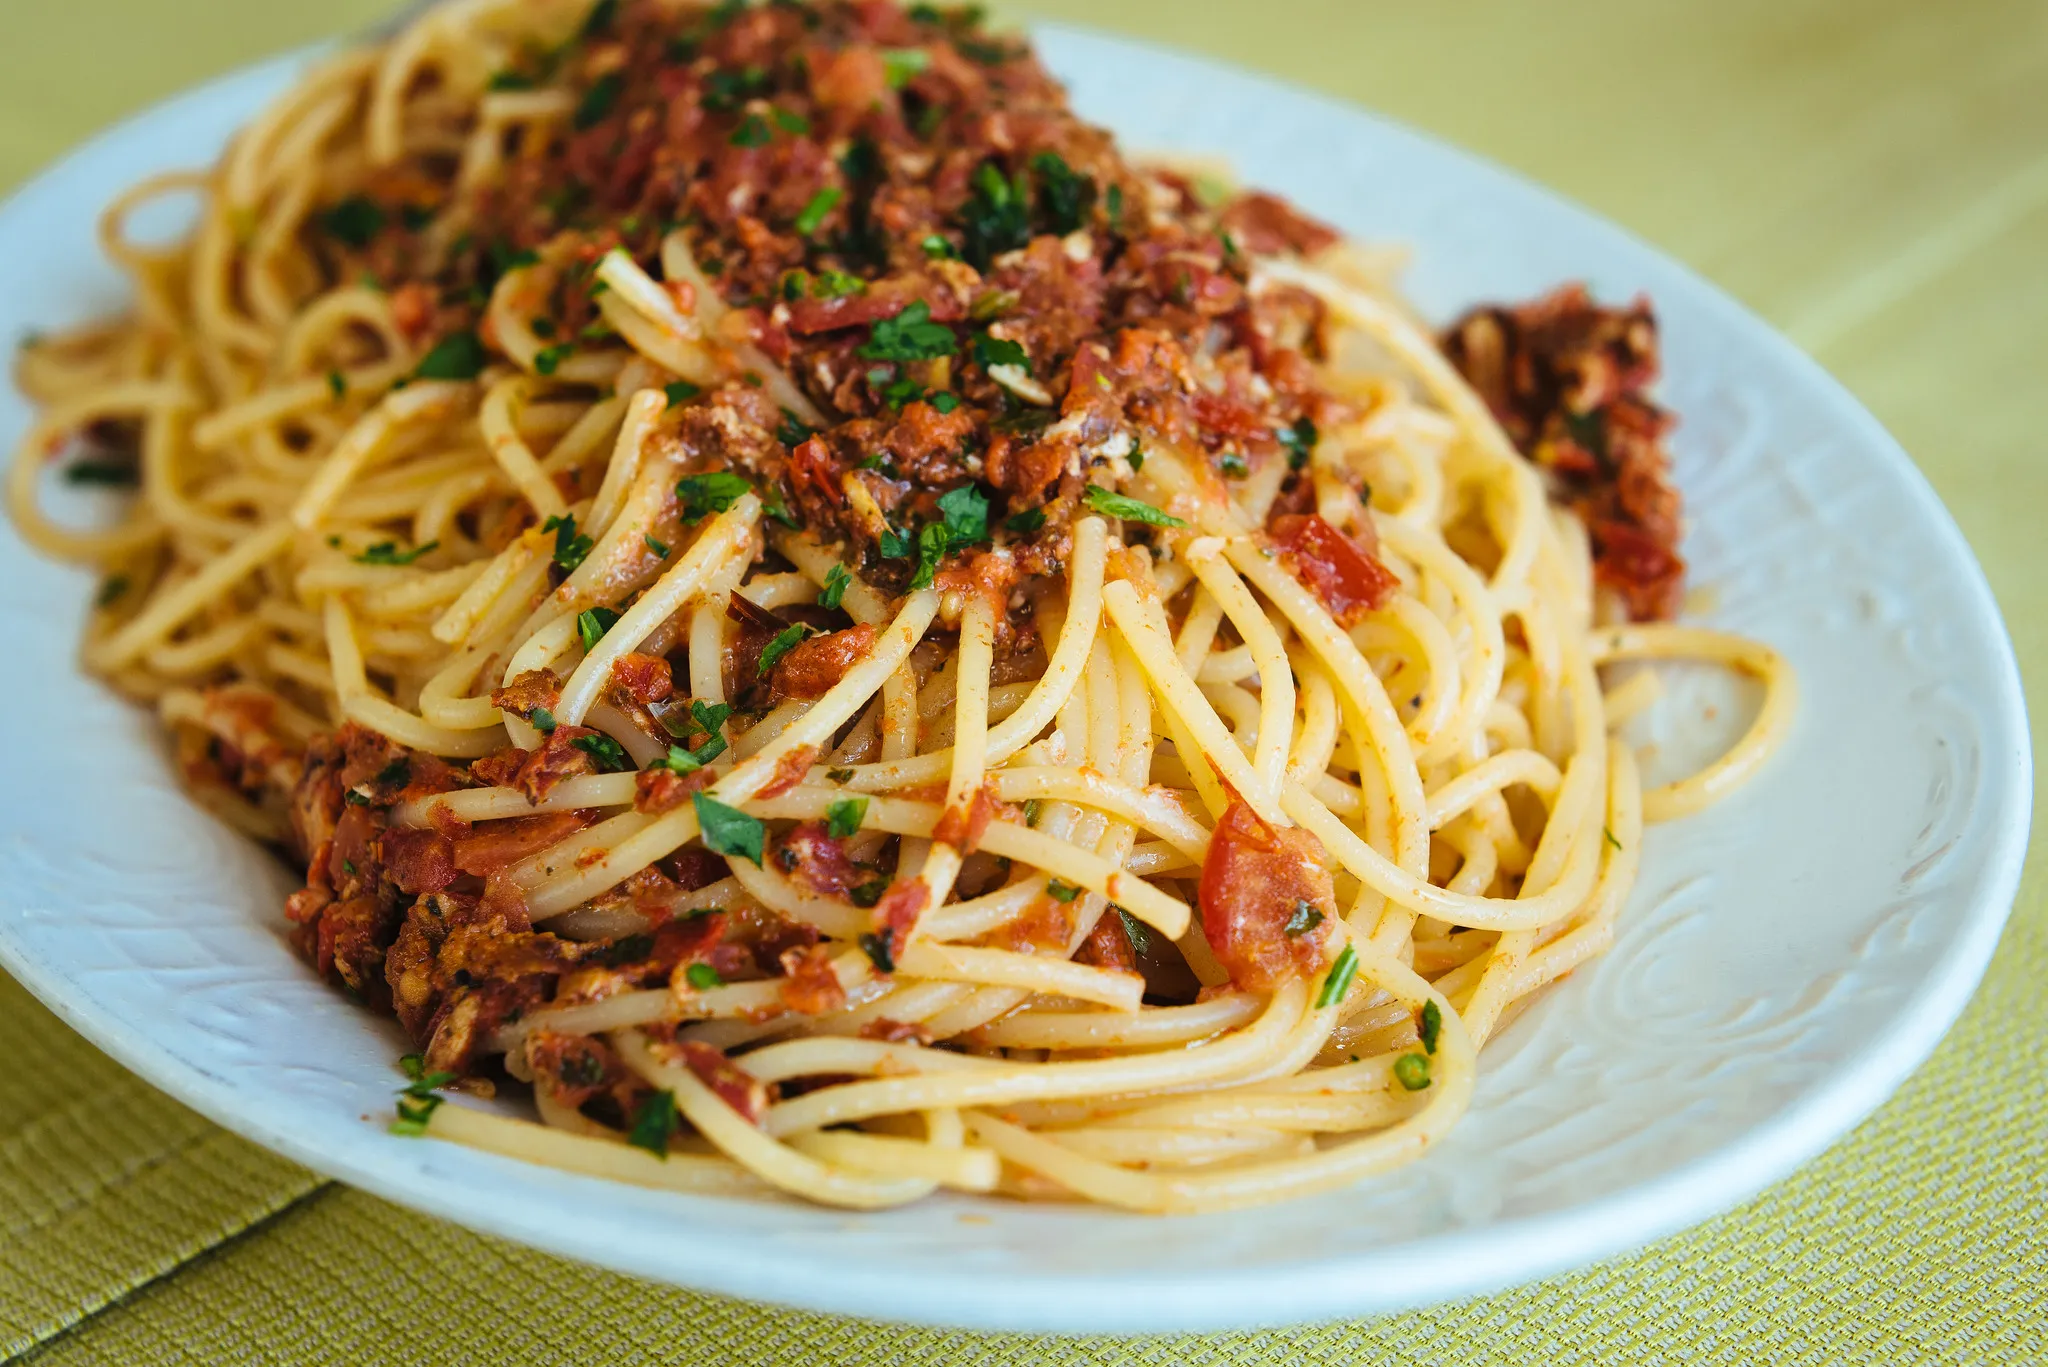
{"points": [[795, 601]]}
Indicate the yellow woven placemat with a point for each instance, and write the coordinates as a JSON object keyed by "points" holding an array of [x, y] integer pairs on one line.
{"points": [[1873, 177]]}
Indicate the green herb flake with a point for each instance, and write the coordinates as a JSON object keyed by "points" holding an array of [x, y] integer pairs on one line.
{"points": [[1609, 836], [990, 352], [660, 548], [1339, 980], [111, 590], [1232, 465], [542, 721], [337, 385], [753, 131], [598, 101], [1412, 1071], [790, 121], [387, 553], [938, 248], [902, 63], [611, 757], [681, 391], [931, 549], [836, 284], [113, 473], [1135, 931], [458, 356], [1136, 458], [840, 775], [1031, 810], [943, 402], [836, 581], [702, 495], [356, 221], [877, 950], [1130, 509], [549, 359], [843, 817], [592, 624], [654, 1124], [571, 547], [703, 977], [1432, 1025], [1300, 440], [1061, 892], [1064, 197], [779, 645], [813, 213], [1026, 522], [1305, 918], [909, 336], [867, 894], [710, 716], [965, 514], [728, 830]]}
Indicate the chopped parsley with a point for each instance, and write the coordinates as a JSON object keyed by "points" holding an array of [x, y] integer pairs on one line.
{"points": [[1412, 1071], [542, 721], [877, 949], [1299, 438], [654, 1124], [660, 548], [728, 830], [1136, 459], [779, 645], [843, 817], [840, 775], [107, 472], [725, 91], [813, 213], [1135, 932], [571, 547], [1339, 980], [592, 624], [965, 511], [458, 356], [938, 248], [789, 121], [932, 542], [681, 761], [609, 754], [752, 132], [791, 431], [910, 336], [387, 553], [1305, 918], [1432, 1025], [836, 580], [681, 391], [1064, 197], [867, 894], [1609, 836], [597, 102], [703, 495], [337, 384], [111, 590], [1232, 465], [1061, 892], [356, 220], [943, 402], [836, 284], [1031, 809], [1130, 509], [900, 64], [990, 352], [1026, 522], [703, 977], [549, 358], [995, 218]]}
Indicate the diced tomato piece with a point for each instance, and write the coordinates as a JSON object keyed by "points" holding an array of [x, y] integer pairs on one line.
{"points": [[1349, 580], [1267, 899]]}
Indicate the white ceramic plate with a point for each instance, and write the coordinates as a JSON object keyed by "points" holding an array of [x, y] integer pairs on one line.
{"points": [[1786, 960]]}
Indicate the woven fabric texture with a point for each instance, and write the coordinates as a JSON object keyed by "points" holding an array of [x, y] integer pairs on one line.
{"points": [[1872, 175]]}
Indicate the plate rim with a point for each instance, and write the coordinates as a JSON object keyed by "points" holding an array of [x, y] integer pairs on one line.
{"points": [[1439, 1267]]}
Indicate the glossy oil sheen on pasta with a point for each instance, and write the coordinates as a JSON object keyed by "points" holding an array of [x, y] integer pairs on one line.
{"points": [[790, 598]]}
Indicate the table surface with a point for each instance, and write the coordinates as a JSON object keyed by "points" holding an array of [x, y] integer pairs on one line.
{"points": [[1870, 175]]}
